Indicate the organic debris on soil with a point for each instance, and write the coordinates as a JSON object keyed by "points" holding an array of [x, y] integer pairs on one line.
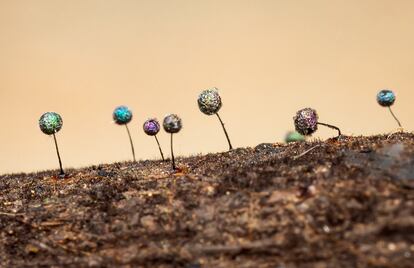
{"points": [[334, 203]]}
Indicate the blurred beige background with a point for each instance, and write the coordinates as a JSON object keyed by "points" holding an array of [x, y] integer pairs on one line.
{"points": [[81, 58]]}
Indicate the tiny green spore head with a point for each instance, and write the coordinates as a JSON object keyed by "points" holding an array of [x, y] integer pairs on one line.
{"points": [[209, 101], [172, 123], [386, 98], [294, 136], [50, 123], [122, 115]]}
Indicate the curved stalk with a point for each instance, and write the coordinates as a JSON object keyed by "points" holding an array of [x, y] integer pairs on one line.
{"points": [[331, 126], [225, 132], [393, 115], [130, 140], [159, 147]]}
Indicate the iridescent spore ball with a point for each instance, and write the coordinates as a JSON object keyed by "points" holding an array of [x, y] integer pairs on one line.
{"points": [[386, 98], [151, 127], [122, 115], [306, 121], [172, 123], [209, 101], [50, 123]]}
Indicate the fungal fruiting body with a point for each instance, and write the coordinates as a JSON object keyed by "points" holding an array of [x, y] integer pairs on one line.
{"points": [[209, 103], [306, 122], [152, 127], [50, 123], [122, 115], [386, 98], [294, 136], [172, 124]]}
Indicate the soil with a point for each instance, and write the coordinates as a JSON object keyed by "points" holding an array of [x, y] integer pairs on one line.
{"points": [[334, 203]]}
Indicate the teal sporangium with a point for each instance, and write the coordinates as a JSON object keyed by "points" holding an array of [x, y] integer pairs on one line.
{"points": [[386, 98], [122, 115]]}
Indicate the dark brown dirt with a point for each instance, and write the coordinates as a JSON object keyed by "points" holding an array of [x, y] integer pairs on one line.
{"points": [[346, 203]]}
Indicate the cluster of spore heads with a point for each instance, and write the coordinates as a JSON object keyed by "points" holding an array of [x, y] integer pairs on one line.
{"points": [[209, 102]]}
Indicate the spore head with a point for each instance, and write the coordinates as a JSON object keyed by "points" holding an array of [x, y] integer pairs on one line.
{"points": [[294, 136], [122, 115], [172, 123], [386, 98], [209, 101], [306, 121], [50, 123], [151, 127]]}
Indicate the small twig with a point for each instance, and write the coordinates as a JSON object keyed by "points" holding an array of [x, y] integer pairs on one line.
{"points": [[11, 214], [306, 152], [52, 249], [43, 246]]}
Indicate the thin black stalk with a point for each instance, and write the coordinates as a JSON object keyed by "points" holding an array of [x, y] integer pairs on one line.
{"points": [[393, 115], [130, 140], [159, 147], [58, 154], [225, 132], [172, 153], [330, 126]]}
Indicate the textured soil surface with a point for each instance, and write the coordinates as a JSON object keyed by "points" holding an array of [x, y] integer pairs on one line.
{"points": [[344, 203]]}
